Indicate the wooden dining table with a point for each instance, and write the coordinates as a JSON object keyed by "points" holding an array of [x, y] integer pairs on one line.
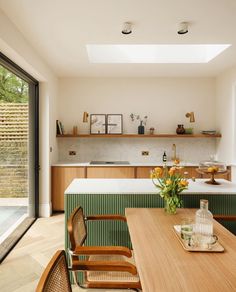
{"points": [[164, 265]]}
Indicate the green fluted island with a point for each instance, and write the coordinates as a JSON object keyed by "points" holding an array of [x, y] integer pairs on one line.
{"points": [[112, 196]]}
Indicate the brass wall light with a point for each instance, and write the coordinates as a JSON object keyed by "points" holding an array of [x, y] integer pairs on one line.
{"points": [[85, 117], [191, 116]]}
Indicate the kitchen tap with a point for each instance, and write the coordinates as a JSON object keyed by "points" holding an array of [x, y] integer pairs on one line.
{"points": [[174, 152]]}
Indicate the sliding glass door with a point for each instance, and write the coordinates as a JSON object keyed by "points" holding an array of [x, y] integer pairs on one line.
{"points": [[18, 153]]}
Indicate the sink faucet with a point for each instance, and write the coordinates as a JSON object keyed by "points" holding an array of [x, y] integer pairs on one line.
{"points": [[174, 152]]}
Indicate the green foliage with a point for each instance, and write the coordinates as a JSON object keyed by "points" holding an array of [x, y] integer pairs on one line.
{"points": [[12, 88]]}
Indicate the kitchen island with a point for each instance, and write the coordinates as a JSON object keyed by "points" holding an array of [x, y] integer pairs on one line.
{"points": [[112, 196], [64, 173]]}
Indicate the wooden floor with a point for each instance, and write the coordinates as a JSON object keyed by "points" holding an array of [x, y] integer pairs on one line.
{"points": [[22, 268]]}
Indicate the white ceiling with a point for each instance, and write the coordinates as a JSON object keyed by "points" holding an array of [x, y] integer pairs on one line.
{"points": [[60, 29]]}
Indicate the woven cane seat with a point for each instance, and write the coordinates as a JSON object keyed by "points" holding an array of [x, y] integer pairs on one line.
{"points": [[115, 260], [110, 276]]}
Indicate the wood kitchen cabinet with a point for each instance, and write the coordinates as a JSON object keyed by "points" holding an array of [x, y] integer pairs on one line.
{"points": [[144, 172], [62, 176], [188, 172], [110, 172]]}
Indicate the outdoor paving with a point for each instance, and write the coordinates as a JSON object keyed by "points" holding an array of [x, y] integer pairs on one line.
{"points": [[9, 215], [12, 211], [14, 201]]}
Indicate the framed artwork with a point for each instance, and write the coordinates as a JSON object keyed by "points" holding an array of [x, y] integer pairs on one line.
{"points": [[97, 124], [115, 124]]}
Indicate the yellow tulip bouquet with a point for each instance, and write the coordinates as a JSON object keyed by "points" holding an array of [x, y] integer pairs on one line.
{"points": [[171, 183]]}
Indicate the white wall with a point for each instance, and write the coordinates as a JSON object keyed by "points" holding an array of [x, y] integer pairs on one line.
{"points": [[164, 100], [225, 112], [226, 117], [15, 47]]}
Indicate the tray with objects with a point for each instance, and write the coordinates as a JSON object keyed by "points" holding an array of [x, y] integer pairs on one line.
{"points": [[187, 244]]}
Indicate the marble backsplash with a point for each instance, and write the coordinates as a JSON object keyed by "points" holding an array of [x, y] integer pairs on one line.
{"points": [[191, 150]]}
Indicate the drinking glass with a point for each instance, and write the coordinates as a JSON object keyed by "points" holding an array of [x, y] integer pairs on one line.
{"points": [[187, 229]]}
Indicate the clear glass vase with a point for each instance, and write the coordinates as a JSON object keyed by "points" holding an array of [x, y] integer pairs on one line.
{"points": [[170, 207]]}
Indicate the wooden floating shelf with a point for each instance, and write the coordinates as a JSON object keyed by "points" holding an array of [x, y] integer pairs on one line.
{"points": [[139, 136]]}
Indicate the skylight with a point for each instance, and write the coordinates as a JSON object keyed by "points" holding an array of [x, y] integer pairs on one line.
{"points": [[154, 53]]}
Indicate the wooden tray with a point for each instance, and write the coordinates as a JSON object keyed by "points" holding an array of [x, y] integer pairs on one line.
{"points": [[217, 247]]}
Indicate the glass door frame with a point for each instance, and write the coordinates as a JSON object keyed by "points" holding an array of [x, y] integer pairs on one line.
{"points": [[34, 134]]}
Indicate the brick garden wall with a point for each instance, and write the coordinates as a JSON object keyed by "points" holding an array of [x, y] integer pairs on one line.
{"points": [[13, 150]]}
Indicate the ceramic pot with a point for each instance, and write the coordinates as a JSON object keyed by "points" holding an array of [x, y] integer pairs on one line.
{"points": [[180, 129]]}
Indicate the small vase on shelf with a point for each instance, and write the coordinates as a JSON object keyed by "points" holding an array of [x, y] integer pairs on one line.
{"points": [[180, 130], [141, 128]]}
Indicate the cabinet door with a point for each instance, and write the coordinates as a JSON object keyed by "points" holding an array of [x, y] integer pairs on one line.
{"points": [[188, 172], [110, 172], [144, 172], [195, 173], [61, 178]]}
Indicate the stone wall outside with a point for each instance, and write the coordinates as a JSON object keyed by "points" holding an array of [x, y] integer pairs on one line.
{"points": [[13, 150]]}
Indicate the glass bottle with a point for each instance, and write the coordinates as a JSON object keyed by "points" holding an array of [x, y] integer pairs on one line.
{"points": [[204, 223], [141, 128], [164, 157]]}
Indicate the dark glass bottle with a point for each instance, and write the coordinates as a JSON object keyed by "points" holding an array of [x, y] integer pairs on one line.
{"points": [[141, 128], [164, 157]]}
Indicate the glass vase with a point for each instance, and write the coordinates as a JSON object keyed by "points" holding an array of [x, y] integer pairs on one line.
{"points": [[170, 207], [141, 129]]}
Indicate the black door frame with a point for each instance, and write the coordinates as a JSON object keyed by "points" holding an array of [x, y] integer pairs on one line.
{"points": [[17, 70]]}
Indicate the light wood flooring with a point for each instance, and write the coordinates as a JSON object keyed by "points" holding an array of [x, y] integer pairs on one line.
{"points": [[22, 268]]}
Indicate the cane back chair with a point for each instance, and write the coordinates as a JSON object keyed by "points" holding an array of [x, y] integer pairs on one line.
{"points": [[55, 277], [102, 266]]}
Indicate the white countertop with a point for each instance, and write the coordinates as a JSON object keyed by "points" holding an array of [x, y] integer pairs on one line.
{"points": [[134, 164], [143, 186]]}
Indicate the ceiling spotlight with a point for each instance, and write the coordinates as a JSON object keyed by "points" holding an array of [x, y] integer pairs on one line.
{"points": [[127, 28], [183, 28]]}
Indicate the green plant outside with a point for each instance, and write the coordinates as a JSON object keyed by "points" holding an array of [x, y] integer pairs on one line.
{"points": [[13, 152]]}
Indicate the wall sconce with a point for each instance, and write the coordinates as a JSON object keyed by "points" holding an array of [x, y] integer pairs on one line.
{"points": [[191, 116], [85, 117]]}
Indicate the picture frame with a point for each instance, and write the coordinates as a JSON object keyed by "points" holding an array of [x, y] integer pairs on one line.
{"points": [[60, 130], [97, 124], [115, 124]]}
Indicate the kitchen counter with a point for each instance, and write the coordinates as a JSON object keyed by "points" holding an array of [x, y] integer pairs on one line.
{"points": [[131, 164], [143, 186]]}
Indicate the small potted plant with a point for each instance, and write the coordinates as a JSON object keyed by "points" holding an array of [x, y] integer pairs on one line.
{"points": [[142, 121], [151, 131]]}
